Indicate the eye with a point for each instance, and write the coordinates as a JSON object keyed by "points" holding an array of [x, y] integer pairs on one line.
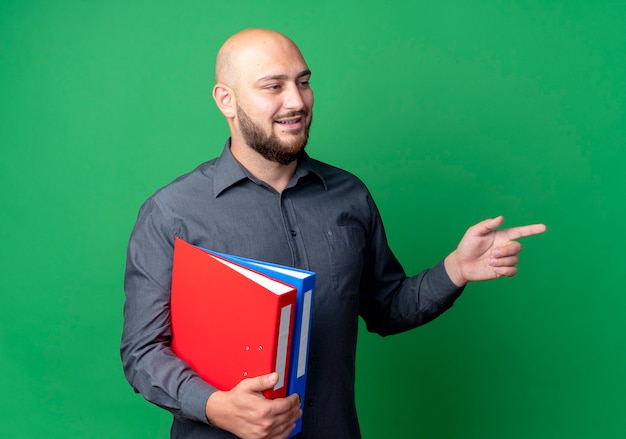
{"points": [[272, 87], [304, 83]]}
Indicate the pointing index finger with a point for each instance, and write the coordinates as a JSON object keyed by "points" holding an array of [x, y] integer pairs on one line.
{"points": [[523, 231]]}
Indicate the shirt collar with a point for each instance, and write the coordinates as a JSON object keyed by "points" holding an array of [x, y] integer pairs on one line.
{"points": [[228, 171]]}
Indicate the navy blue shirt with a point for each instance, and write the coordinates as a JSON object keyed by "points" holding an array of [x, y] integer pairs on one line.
{"points": [[324, 221]]}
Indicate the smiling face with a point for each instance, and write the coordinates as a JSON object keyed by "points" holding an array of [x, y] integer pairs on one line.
{"points": [[271, 101]]}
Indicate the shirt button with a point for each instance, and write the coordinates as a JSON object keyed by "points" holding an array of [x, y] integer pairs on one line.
{"points": [[309, 403], [293, 232]]}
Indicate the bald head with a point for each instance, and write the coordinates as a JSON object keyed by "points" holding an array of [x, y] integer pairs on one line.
{"points": [[246, 50]]}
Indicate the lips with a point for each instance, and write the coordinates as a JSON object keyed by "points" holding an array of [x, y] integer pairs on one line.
{"points": [[289, 121], [291, 124]]}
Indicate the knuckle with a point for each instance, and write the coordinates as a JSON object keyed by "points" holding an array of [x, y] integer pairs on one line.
{"points": [[264, 411], [265, 427]]}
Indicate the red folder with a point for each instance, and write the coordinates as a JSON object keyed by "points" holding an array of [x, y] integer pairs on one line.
{"points": [[229, 322]]}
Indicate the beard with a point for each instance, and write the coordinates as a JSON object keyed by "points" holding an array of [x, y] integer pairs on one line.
{"points": [[270, 146]]}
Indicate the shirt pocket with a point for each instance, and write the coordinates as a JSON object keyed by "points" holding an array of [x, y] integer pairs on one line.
{"points": [[347, 248]]}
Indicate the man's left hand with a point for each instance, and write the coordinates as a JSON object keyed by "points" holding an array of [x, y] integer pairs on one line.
{"points": [[486, 253]]}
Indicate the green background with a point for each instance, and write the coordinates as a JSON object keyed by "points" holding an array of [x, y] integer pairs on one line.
{"points": [[450, 111]]}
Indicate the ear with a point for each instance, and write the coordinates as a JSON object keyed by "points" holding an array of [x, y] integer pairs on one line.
{"points": [[225, 99]]}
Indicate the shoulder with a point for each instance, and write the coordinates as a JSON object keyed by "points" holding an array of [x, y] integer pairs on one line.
{"points": [[196, 182], [180, 195], [179, 201], [335, 177]]}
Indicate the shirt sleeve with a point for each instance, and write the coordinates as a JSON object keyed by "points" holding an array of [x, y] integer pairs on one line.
{"points": [[150, 365], [391, 302]]}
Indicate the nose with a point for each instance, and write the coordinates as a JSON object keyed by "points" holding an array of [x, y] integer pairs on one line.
{"points": [[294, 99]]}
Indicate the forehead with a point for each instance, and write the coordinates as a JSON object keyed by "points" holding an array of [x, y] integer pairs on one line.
{"points": [[273, 58]]}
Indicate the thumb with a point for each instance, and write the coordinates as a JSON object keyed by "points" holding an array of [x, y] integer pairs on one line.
{"points": [[261, 383], [487, 226]]}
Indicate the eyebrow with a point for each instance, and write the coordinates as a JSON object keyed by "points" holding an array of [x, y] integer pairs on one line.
{"points": [[282, 77]]}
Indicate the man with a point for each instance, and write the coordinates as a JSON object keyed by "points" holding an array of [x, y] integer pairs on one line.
{"points": [[265, 198]]}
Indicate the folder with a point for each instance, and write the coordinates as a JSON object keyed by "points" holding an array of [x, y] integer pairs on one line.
{"points": [[304, 281], [229, 322]]}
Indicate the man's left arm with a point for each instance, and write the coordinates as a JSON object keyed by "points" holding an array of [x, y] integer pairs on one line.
{"points": [[391, 302]]}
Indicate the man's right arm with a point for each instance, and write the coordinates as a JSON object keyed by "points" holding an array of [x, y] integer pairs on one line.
{"points": [[154, 370], [150, 365]]}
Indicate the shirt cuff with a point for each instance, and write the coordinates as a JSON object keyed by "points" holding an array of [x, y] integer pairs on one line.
{"points": [[450, 291], [194, 398]]}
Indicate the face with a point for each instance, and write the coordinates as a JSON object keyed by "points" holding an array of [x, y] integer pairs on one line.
{"points": [[274, 105]]}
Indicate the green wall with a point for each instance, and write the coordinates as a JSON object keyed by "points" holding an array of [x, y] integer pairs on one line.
{"points": [[450, 111]]}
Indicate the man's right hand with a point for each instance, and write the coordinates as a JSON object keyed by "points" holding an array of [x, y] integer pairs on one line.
{"points": [[245, 412]]}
